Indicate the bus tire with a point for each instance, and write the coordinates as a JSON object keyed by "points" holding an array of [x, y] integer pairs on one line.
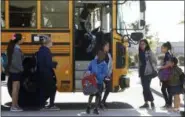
{"points": [[26, 98], [124, 82], [116, 88]]}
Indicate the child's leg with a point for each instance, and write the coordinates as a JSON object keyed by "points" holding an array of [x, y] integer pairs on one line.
{"points": [[90, 100], [177, 102], [97, 101], [89, 104]]}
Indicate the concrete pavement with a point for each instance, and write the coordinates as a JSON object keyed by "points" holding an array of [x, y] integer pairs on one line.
{"points": [[120, 104]]}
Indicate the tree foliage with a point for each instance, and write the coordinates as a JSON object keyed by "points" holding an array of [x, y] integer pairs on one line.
{"points": [[153, 39]]}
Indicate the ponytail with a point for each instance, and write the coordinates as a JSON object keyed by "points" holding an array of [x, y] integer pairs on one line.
{"points": [[168, 46], [10, 49]]}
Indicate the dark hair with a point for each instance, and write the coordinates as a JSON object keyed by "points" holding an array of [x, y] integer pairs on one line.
{"points": [[147, 45], [104, 43], [167, 45], [174, 60], [10, 49], [91, 6]]}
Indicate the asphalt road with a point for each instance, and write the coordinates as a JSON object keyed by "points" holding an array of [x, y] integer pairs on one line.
{"points": [[120, 104]]}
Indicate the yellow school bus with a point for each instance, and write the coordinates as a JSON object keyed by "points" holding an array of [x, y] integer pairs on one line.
{"points": [[58, 19]]}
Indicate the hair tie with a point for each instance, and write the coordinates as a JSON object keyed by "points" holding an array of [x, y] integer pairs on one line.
{"points": [[13, 37]]}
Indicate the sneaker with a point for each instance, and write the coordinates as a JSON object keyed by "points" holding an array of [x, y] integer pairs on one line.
{"points": [[88, 110], [96, 111], [144, 106], [52, 108], [43, 108], [176, 110], [152, 105], [102, 106], [166, 106], [105, 105], [16, 109]]}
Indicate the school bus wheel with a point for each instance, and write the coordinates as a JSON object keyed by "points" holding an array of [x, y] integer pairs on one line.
{"points": [[116, 88], [124, 82], [26, 98]]}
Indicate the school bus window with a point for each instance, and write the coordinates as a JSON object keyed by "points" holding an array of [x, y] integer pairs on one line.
{"points": [[55, 14], [23, 14], [2, 14]]}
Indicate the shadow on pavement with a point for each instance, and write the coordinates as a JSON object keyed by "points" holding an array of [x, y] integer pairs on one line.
{"points": [[76, 106], [160, 94], [157, 113]]}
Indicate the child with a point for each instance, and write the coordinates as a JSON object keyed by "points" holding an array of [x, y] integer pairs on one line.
{"points": [[175, 83], [100, 69], [166, 49]]}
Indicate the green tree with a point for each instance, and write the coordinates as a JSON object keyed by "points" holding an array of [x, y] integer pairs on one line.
{"points": [[182, 21], [153, 39]]}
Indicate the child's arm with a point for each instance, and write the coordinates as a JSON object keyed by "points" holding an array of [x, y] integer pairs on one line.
{"points": [[165, 66], [89, 69]]}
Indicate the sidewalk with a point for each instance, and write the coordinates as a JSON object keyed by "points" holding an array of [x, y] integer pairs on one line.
{"points": [[110, 112]]}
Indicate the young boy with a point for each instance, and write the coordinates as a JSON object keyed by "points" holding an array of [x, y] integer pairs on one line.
{"points": [[175, 83], [100, 69]]}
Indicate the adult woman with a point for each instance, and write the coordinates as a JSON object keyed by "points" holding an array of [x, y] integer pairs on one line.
{"points": [[166, 49], [15, 68], [146, 58], [47, 75]]}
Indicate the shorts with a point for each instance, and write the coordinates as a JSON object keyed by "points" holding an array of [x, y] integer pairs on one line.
{"points": [[175, 90], [15, 76]]}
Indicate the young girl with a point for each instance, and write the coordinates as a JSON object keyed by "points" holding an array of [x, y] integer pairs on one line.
{"points": [[166, 49], [175, 83], [15, 68], [99, 68], [108, 59]]}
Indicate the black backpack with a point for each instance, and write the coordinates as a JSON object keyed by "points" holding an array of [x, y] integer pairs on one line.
{"points": [[30, 73]]}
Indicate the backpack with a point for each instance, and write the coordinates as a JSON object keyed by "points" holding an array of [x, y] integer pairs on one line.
{"points": [[165, 74], [4, 60], [30, 73], [89, 85]]}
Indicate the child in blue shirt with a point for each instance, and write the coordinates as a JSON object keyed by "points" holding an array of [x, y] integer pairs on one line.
{"points": [[99, 68]]}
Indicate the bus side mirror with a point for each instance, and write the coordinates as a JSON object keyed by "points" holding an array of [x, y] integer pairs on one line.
{"points": [[136, 36], [142, 15]]}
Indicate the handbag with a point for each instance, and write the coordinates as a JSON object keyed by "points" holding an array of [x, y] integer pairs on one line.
{"points": [[153, 73]]}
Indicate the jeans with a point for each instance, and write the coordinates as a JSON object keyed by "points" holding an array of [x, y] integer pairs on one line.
{"points": [[147, 94], [166, 93], [98, 97], [47, 89], [107, 90]]}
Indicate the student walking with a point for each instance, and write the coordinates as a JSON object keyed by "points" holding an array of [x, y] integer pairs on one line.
{"points": [[15, 68], [175, 83], [108, 59], [145, 54], [99, 68], [47, 75], [166, 49]]}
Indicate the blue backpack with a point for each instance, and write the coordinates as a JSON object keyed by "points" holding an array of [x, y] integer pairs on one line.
{"points": [[4, 60]]}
